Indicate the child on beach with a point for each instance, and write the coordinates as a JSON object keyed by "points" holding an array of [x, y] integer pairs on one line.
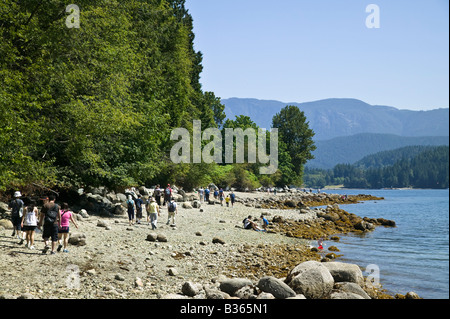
{"points": [[63, 232], [29, 223], [320, 243], [227, 200]]}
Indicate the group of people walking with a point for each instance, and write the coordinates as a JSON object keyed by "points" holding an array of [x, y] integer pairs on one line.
{"points": [[162, 197], [53, 220], [152, 205], [204, 194]]}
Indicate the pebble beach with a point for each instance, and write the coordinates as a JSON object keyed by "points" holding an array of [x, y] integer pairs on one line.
{"points": [[109, 259]]}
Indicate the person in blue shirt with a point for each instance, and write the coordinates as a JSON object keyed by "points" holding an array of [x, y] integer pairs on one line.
{"points": [[265, 223], [232, 197]]}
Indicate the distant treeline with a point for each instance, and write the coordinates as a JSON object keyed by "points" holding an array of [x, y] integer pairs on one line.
{"points": [[415, 166]]}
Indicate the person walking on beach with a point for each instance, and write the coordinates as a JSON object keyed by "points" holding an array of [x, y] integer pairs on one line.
{"points": [[227, 200], [172, 210], [201, 192], [138, 204], [232, 198], [221, 196], [153, 213], [29, 223], [63, 232], [157, 194], [16, 207], [51, 218], [131, 208], [207, 192], [167, 194]]}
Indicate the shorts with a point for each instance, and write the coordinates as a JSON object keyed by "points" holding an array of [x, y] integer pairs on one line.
{"points": [[16, 221], [29, 228], [63, 230], [50, 231]]}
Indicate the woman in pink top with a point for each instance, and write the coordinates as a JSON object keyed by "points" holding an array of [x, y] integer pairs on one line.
{"points": [[63, 232]]}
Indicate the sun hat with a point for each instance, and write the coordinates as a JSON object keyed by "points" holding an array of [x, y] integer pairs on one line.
{"points": [[17, 194]]}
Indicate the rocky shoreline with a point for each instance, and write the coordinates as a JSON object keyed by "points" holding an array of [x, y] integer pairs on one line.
{"points": [[206, 251]]}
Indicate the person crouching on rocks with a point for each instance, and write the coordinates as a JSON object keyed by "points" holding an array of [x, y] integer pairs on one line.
{"points": [[265, 222]]}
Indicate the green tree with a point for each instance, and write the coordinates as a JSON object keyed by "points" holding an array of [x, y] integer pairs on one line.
{"points": [[295, 134]]}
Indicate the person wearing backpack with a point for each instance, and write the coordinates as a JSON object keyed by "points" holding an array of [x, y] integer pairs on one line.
{"points": [[50, 217], [167, 194], [131, 209], [173, 210], [16, 207]]}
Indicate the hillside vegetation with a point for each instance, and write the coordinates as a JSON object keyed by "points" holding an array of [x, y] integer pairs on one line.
{"points": [[417, 167], [95, 105]]}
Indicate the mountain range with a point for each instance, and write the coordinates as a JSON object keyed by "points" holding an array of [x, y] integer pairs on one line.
{"points": [[332, 118], [346, 130]]}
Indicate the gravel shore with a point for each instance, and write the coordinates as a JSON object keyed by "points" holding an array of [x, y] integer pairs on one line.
{"points": [[119, 262]]}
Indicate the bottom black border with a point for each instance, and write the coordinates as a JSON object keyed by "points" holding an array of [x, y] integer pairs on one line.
{"points": [[201, 308]]}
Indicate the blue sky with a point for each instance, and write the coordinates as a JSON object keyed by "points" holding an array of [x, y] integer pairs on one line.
{"points": [[301, 51]]}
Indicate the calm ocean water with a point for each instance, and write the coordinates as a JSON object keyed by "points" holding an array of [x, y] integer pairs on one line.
{"points": [[414, 255]]}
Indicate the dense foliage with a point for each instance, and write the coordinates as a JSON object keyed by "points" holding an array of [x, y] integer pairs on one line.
{"points": [[95, 105], [417, 167]]}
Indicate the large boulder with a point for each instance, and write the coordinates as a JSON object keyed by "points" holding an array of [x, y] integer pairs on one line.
{"points": [[345, 295], [120, 209], [121, 198], [364, 226], [276, 287], [187, 205], [3, 208], [312, 279], [230, 286], [191, 289], [196, 204], [7, 224], [352, 288], [77, 239], [343, 272]]}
